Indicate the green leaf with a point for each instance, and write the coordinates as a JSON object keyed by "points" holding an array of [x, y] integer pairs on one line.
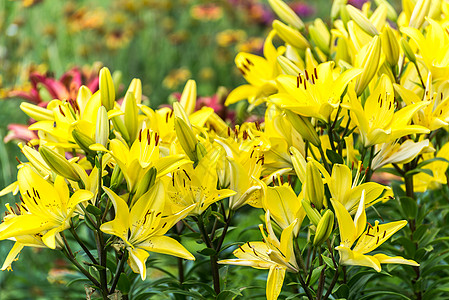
{"points": [[328, 261], [431, 160], [219, 216], [123, 284], [409, 206], [207, 252], [416, 171], [342, 291], [228, 294], [383, 293], [315, 275], [334, 157]]}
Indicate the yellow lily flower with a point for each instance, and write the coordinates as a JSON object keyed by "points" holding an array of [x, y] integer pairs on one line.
{"points": [[259, 72], [144, 153], [432, 48], [377, 121], [284, 206], [433, 116], [270, 254], [313, 94], [47, 208], [30, 240], [347, 191], [394, 152], [423, 181], [142, 227], [368, 240], [196, 187]]}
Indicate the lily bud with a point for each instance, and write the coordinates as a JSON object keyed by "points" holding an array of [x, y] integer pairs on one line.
{"points": [[313, 215], [83, 96], [286, 14], [102, 127], [116, 177], [324, 228], [337, 5], [200, 151], [390, 45], [131, 111], [391, 12], [369, 63], [188, 97], [314, 188], [36, 112], [58, 163], [84, 141], [145, 183], [135, 87], [290, 35], [299, 164], [320, 35], [107, 90], [419, 13], [359, 18], [119, 125], [186, 138], [408, 51], [288, 66], [304, 127]]}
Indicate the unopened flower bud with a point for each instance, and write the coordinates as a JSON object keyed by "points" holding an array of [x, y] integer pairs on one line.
{"points": [[313, 215], [419, 13], [337, 6], [135, 87], [320, 35], [58, 163], [290, 35], [130, 118], [391, 12], [102, 127], [390, 45], [107, 90], [304, 127], [361, 20], [286, 14], [408, 51], [188, 97], [314, 187], [145, 183], [116, 177], [200, 151], [299, 164], [186, 138], [324, 228], [370, 63], [84, 141], [288, 66]]}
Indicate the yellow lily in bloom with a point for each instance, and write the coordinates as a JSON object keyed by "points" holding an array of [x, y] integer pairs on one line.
{"points": [[270, 254], [259, 72], [142, 227], [284, 206], [377, 121], [347, 192], [144, 153], [433, 116], [47, 208], [368, 240], [80, 114], [423, 181], [394, 152], [432, 48], [30, 240], [196, 187], [313, 94]]}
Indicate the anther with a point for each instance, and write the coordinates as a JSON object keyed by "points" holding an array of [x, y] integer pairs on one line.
{"points": [[61, 111], [307, 74], [316, 75], [297, 82], [249, 62], [186, 174], [158, 214], [377, 242], [385, 232]]}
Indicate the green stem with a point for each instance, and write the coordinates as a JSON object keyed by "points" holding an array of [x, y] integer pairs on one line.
{"points": [[322, 279], [83, 246], [69, 254], [102, 257], [213, 258], [331, 286], [305, 287], [118, 271], [323, 157]]}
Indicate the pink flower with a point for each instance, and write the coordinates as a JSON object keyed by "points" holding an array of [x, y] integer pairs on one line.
{"points": [[19, 133]]}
